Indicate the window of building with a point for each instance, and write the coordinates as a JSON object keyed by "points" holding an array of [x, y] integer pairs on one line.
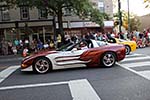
{"points": [[24, 12], [67, 11], [101, 6], [5, 14], [43, 13]]}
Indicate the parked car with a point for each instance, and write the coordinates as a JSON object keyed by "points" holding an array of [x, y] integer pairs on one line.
{"points": [[129, 45], [85, 53]]}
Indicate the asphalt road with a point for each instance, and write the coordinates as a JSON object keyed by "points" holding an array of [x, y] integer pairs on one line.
{"points": [[121, 82]]}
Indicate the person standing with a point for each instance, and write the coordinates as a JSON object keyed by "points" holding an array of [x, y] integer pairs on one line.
{"points": [[4, 47], [59, 40]]}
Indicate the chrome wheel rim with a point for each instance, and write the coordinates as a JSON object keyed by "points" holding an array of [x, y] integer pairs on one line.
{"points": [[108, 59], [42, 66], [127, 50]]}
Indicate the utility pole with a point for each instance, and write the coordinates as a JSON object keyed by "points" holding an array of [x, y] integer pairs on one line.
{"points": [[128, 16], [120, 16]]}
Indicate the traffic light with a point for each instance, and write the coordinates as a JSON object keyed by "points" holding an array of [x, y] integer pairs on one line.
{"points": [[16, 24], [116, 23]]}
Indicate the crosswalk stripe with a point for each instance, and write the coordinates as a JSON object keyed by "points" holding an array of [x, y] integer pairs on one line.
{"points": [[5, 73], [133, 55], [145, 74], [134, 59], [82, 90], [136, 64], [139, 60]]}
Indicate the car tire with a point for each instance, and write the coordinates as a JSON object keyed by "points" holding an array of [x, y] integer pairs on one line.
{"points": [[108, 59], [42, 65], [128, 49]]}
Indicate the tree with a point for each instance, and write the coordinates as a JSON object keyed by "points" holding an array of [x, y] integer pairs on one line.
{"points": [[83, 8], [134, 21]]}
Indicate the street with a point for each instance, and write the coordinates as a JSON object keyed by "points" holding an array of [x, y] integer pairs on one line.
{"points": [[127, 80]]}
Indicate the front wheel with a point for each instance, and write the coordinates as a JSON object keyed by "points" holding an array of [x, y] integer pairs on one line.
{"points": [[108, 59], [41, 65]]}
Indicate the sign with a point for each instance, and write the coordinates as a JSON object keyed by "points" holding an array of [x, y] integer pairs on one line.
{"points": [[108, 23]]}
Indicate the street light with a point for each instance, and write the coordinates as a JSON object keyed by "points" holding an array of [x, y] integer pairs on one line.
{"points": [[128, 16], [120, 16]]}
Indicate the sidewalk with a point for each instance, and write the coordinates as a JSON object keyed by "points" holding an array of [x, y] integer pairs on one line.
{"points": [[10, 57]]}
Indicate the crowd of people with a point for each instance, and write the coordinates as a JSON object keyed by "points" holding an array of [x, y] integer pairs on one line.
{"points": [[25, 46]]}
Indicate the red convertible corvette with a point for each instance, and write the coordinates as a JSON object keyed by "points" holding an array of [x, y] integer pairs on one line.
{"points": [[85, 53]]}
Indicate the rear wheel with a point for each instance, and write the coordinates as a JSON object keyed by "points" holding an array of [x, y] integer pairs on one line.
{"points": [[108, 59], [42, 65], [128, 50]]}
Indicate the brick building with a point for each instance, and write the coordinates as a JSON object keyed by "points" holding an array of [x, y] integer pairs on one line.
{"points": [[24, 22]]}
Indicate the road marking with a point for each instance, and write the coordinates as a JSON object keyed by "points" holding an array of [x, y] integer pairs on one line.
{"points": [[136, 64], [133, 55], [5, 73], [32, 85], [137, 58], [145, 74], [129, 66], [80, 89]]}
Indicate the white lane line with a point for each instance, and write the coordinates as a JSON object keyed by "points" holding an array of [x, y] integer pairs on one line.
{"points": [[32, 85], [136, 58], [145, 74], [133, 55], [82, 90], [5, 73], [137, 64]]}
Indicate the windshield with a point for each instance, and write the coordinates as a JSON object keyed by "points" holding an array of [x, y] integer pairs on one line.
{"points": [[101, 43], [65, 47]]}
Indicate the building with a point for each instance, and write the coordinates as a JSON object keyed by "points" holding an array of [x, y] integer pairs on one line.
{"points": [[144, 22], [24, 22]]}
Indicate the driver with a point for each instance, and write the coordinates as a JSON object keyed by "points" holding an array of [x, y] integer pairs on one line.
{"points": [[83, 46]]}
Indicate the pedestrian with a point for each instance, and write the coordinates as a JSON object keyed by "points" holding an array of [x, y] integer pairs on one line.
{"points": [[14, 49], [25, 52], [59, 39]]}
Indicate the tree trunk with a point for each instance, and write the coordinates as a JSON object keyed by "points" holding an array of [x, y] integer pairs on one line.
{"points": [[60, 24]]}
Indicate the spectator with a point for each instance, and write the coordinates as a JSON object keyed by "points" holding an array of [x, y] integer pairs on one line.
{"points": [[14, 49], [59, 39]]}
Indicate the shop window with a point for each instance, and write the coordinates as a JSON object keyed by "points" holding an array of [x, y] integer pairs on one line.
{"points": [[24, 12], [43, 13], [67, 12], [5, 14], [101, 6]]}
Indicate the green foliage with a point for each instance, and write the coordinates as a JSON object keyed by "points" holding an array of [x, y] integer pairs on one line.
{"points": [[134, 21], [82, 8]]}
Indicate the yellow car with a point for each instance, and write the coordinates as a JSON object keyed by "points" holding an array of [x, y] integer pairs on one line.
{"points": [[130, 45]]}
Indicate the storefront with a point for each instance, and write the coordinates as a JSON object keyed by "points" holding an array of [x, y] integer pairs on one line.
{"points": [[80, 27], [32, 29]]}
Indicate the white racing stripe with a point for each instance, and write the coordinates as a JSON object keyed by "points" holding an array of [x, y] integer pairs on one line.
{"points": [[5, 73], [80, 89]]}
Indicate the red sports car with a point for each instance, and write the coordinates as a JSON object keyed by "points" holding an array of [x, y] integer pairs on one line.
{"points": [[85, 53]]}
